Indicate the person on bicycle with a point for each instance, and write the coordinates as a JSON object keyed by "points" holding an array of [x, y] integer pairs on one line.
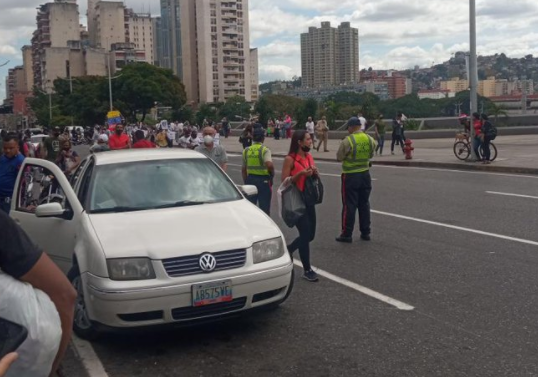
{"points": [[464, 121], [486, 131]]}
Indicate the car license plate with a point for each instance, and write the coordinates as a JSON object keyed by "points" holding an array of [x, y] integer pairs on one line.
{"points": [[211, 293]]}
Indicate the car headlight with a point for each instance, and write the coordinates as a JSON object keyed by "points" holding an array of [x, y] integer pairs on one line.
{"points": [[130, 269], [268, 250]]}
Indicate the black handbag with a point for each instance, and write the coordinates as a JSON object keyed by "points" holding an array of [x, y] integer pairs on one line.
{"points": [[313, 189]]}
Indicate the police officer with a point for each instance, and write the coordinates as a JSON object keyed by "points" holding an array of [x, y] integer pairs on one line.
{"points": [[355, 153], [258, 169]]}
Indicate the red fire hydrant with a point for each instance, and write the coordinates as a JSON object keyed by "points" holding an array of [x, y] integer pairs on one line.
{"points": [[408, 149]]}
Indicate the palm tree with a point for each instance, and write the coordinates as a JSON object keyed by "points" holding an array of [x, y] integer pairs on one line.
{"points": [[497, 110]]}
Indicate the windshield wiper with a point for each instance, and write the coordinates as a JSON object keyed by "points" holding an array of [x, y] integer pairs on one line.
{"points": [[182, 203], [118, 209]]}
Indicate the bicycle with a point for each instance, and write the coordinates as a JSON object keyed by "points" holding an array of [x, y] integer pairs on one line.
{"points": [[462, 148]]}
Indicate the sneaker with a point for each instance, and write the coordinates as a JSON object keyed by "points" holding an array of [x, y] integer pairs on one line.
{"points": [[365, 237], [344, 239], [311, 276]]}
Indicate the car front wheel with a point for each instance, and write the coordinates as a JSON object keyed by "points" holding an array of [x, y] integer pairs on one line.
{"points": [[82, 325]]}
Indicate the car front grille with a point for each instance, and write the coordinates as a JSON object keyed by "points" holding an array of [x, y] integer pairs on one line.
{"points": [[189, 265], [192, 312]]}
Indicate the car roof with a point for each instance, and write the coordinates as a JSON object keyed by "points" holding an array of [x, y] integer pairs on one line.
{"points": [[133, 155]]}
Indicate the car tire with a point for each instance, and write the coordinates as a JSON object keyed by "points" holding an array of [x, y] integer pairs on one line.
{"points": [[82, 325]]}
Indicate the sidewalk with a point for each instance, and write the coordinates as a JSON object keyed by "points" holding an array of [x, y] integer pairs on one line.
{"points": [[517, 154]]}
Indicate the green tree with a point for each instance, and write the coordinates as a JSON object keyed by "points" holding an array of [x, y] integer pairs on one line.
{"points": [[263, 110], [307, 109], [206, 111], [234, 107], [496, 110]]}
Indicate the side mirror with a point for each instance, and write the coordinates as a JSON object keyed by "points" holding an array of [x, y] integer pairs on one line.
{"points": [[249, 190], [50, 210]]}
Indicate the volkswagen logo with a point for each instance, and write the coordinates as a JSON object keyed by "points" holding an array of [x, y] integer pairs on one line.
{"points": [[207, 262]]}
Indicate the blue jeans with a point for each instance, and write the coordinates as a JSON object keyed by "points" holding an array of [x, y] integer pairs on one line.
{"points": [[477, 142], [380, 143]]}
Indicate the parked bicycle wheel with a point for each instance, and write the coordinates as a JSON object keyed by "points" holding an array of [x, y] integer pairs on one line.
{"points": [[462, 151], [492, 150]]}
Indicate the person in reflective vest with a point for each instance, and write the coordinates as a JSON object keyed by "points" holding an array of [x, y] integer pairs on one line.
{"points": [[258, 170], [355, 153]]}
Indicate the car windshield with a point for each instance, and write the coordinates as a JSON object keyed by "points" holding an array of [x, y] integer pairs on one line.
{"points": [[144, 185]]}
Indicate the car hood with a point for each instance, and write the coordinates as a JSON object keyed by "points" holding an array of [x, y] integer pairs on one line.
{"points": [[173, 232]]}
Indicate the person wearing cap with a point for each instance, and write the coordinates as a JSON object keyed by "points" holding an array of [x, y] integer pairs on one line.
{"points": [[102, 144], [258, 170], [355, 153], [51, 145]]}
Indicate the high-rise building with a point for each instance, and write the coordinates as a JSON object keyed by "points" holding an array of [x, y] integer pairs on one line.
{"points": [[57, 24], [141, 34], [28, 67], [330, 56], [15, 82], [206, 43], [254, 78], [110, 24], [157, 41]]}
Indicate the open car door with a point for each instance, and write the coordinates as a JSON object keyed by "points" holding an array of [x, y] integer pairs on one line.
{"points": [[47, 208]]}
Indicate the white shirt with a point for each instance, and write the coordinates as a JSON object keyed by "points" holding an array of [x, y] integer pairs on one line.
{"points": [[363, 123], [184, 142], [310, 127]]}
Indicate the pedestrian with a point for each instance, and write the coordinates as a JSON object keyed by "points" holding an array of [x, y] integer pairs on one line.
{"points": [[246, 136], [10, 164], [477, 141], [141, 142], [101, 146], [184, 139], [226, 127], [68, 160], [380, 134], [310, 129], [287, 125], [363, 121], [51, 145], [161, 139], [258, 170], [119, 140], [322, 129], [3, 134], [277, 129], [355, 153], [397, 128], [215, 152], [194, 142], [299, 164], [486, 131]]}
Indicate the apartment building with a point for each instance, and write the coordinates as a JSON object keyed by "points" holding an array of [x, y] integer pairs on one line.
{"points": [[330, 56], [28, 67], [206, 43], [157, 41], [15, 82], [57, 24], [141, 34], [254, 75], [398, 85], [110, 24]]}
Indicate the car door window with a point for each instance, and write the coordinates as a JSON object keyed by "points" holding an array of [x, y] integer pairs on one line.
{"points": [[39, 186], [78, 173], [85, 185]]}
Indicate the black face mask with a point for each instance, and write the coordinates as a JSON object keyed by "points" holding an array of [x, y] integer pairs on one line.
{"points": [[119, 132], [305, 149]]}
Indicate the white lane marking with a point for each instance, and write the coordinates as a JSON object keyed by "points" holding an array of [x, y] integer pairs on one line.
{"points": [[359, 288], [455, 171], [322, 174], [88, 357], [508, 194], [469, 230]]}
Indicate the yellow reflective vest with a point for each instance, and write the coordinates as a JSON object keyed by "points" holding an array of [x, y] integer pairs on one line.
{"points": [[253, 157], [362, 150]]}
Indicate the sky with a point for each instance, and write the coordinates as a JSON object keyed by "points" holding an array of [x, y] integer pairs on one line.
{"points": [[393, 34]]}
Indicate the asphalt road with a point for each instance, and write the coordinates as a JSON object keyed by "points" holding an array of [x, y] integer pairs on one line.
{"points": [[464, 259]]}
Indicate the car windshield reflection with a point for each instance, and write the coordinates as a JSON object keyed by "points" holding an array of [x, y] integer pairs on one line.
{"points": [[145, 185]]}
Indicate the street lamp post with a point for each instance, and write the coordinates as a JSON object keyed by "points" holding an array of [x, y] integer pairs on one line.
{"points": [[109, 83], [473, 68]]}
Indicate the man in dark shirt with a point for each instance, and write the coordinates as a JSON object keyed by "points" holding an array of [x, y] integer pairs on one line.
{"points": [[22, 260], [51, 145], [10, 163]]}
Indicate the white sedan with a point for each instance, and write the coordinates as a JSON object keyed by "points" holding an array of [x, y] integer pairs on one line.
{"points": [[152, 237]]}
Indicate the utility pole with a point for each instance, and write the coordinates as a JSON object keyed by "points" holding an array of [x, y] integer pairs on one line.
{"points": [[473, 68]]}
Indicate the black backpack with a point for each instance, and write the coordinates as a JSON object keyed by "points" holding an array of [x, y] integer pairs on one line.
{"points": [[490, 130]]}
